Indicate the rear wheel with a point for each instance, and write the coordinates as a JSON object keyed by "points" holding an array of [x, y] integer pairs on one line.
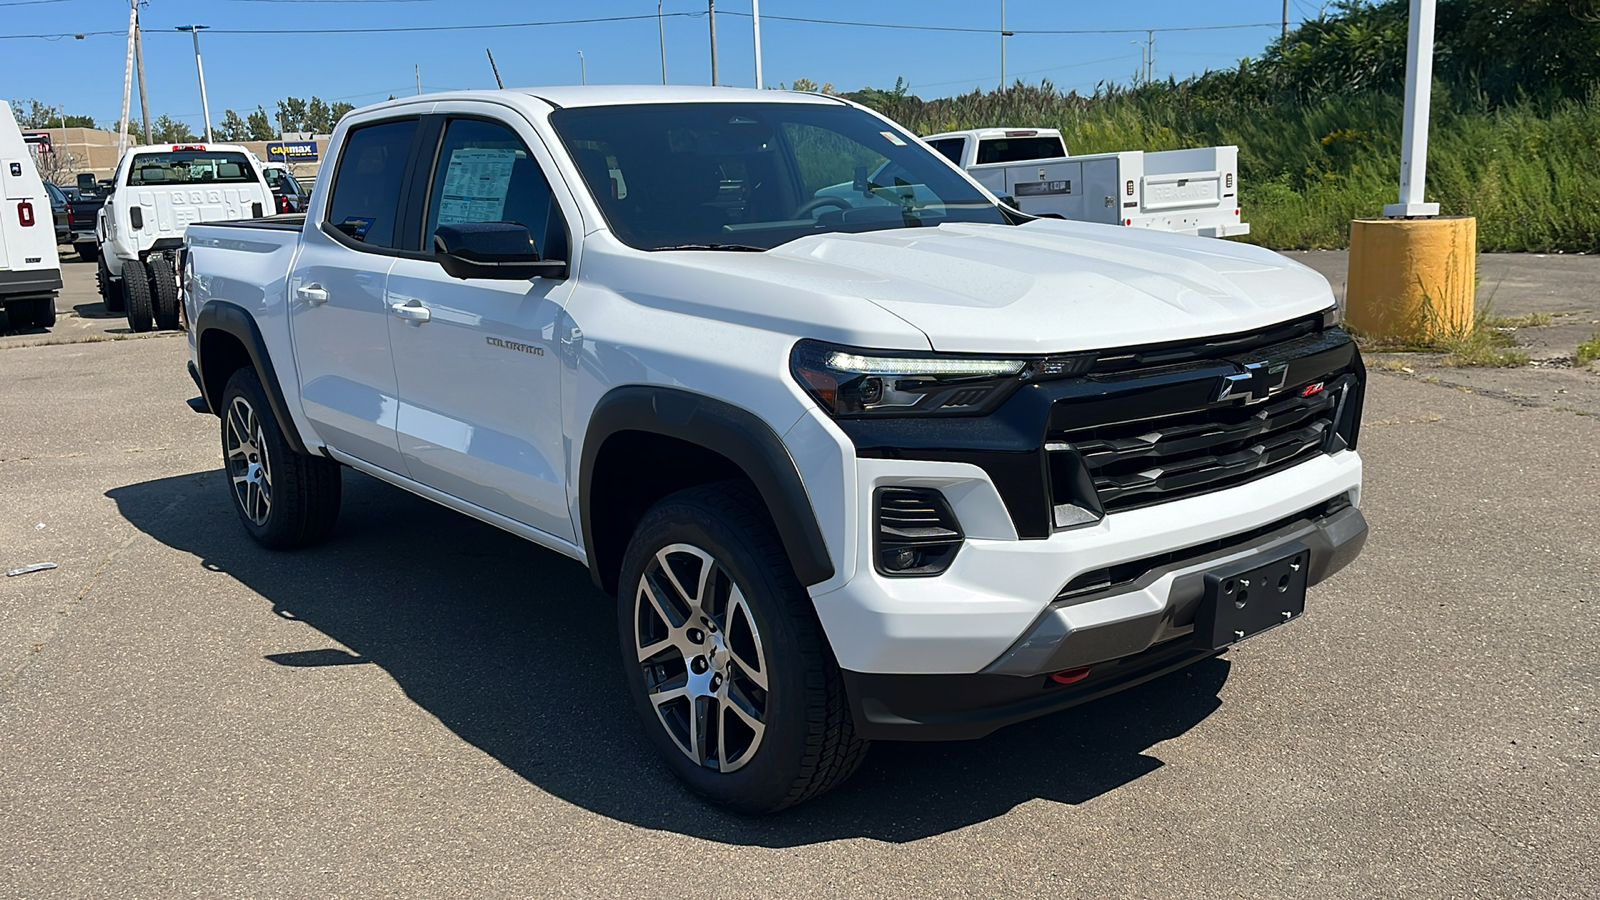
{"points": [[725, 659], [110, 289], [44, 312], [285, 499], [164, 292], [136, 290]]}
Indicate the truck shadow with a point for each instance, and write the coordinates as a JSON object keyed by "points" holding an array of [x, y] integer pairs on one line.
{"points": [[512, 648]]}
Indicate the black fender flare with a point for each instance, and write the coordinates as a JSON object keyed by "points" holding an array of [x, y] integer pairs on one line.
{"points": [[740, 436], [220, 315]]}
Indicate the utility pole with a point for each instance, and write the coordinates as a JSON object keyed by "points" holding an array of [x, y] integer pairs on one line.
{"points": [[127, 74], [755, 21], [419, 78], [138, 59], [1150, 60], [711, 8], [495, 69], [583, 69], [1284, 34], [661, 31], [205, 107], [1002, 45]]}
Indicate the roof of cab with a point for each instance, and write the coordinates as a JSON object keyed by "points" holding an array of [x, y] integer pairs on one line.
{"points": [[571, 95]]}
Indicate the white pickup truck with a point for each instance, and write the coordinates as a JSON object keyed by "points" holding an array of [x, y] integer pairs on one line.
{"points": [[158, 192], [30, 270], [898, 464], [1193, 191]]}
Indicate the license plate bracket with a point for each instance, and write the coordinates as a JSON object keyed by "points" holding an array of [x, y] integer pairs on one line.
{"points": [[1246, 598]]}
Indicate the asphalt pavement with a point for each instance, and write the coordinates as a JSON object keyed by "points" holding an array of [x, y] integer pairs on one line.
{"points": [[424, 706]]}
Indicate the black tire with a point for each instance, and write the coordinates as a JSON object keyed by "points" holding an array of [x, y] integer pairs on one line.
{"points": [[164, 292], [88, 251], [808, 742], [44, 312], [110, 290], [302, 492], [136, 290]]}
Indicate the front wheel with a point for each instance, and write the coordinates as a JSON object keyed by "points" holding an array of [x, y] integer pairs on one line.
{"points": [[88, 251], [285, 499], [724, 656]]}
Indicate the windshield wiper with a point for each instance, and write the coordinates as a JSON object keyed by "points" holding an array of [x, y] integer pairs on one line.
{"points": [[746, 248]]}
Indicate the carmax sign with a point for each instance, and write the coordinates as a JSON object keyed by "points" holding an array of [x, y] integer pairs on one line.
{"points": [[291, 151]]}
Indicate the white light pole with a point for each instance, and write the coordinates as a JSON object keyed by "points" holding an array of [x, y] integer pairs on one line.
{"points": [[755, 21], [205, 107], [583, 69], [1414, 134], [661, 31]]}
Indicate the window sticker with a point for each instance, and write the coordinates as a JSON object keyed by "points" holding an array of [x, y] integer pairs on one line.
{"points": [[894, 139], [357, 226], [475, 185]]}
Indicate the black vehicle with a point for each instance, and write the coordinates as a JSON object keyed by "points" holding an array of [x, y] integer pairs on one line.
{"points": [[61, 212], [287, 194], [84, 207]]}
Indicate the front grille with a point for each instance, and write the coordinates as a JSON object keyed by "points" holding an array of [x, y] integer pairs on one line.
{"points": [[1169, 457]]}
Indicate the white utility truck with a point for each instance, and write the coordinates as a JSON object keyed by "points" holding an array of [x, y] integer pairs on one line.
{"points": [[30, 269], [1192, 191], [902, 463], [157, 193]]}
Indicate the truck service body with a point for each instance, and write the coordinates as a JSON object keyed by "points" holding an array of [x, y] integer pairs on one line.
{"points": [[896, 463], [1192, 191], [30, 268]]}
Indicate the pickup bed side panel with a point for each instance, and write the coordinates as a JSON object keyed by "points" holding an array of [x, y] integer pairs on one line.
{"points": [[244, 272]]}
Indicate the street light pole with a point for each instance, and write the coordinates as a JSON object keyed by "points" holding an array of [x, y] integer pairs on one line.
{"points": [[711, 12], [583, 69], [1414, 130], [755, 20], [205, 106], [661, 31]]}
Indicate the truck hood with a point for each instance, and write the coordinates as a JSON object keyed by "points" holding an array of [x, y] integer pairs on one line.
{"points": [[1053, 286]]}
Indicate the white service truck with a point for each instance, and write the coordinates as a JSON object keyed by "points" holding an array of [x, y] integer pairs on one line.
{"points": [[901, 464], [30, 268], [156, 194], [1193, 191]]}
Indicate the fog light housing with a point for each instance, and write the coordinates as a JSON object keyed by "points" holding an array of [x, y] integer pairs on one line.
{"points": [[916, 533]]}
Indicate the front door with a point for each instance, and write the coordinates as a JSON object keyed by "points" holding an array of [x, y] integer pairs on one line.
{"points": [[476, 361], [337, 308]]}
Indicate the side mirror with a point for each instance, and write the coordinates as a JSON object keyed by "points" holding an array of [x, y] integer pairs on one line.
{"points": [[499, 250], [86, 182]]}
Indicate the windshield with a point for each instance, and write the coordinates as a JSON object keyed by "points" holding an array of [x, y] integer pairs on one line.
{"points": [[756, 175], [190, 167]]}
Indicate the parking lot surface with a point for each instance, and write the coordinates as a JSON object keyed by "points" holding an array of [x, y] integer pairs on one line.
{"points": [[427, 707]]}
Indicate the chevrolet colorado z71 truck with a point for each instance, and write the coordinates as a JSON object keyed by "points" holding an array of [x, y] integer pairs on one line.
{"points": [[897, 464], [158, 192]]}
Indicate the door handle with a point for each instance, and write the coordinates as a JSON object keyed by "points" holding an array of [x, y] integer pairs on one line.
{"points": [[313, 294], [411, 311]]}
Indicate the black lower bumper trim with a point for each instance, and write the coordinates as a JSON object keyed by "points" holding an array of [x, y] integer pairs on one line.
{"points": [[22, 283], [965, 707]]}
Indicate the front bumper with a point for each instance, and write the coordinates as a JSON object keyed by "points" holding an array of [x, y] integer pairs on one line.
{"points": [[1124, 635]]}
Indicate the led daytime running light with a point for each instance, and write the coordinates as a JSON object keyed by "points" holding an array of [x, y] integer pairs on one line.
{"points": [[857, 364]]}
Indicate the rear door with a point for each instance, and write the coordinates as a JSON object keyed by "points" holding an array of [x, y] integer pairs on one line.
{"points": [[337, 311], [480, 376]]}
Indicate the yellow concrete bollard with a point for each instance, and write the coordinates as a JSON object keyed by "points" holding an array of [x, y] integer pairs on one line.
{"points": [[1412, 280]]}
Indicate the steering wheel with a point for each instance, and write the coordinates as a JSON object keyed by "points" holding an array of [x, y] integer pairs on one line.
{"points": [[811, 206]]}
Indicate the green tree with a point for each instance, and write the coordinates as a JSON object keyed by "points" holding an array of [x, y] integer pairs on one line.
{"points": [[292, 114], [341, 109], [31, 113], [167, 130], [232, 128], [318, 116], [260, 127]]}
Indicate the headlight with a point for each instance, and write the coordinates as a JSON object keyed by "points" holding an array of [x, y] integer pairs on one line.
{"points": [[852, 382]]}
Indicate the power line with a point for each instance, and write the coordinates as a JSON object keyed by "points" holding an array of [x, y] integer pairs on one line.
{"points": [[967, 30], [390, 30]]}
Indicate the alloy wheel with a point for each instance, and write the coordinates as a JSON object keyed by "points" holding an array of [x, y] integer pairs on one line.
{"points": [[705, 670], [248, 465]]}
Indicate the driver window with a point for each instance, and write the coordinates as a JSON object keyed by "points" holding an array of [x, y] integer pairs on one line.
{"points": [[486, 174]]}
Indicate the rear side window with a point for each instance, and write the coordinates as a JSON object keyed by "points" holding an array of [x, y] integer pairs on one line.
{"points": [[190, 167], [366, 187], [485, 174], [1009, 150], [949, 148]]}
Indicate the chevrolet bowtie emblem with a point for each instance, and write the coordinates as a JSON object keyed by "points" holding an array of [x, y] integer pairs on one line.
{"points": [[1255, 384]]}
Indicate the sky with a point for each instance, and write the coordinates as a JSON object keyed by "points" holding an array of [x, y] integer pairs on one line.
{"points": [[245, 69]]}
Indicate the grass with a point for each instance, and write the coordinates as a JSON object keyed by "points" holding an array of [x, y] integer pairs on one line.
{"points": [[1526, 320], [1588, 351]]}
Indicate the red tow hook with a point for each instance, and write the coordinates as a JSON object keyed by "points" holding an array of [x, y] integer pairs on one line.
{"points": [[1070, 676]]}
